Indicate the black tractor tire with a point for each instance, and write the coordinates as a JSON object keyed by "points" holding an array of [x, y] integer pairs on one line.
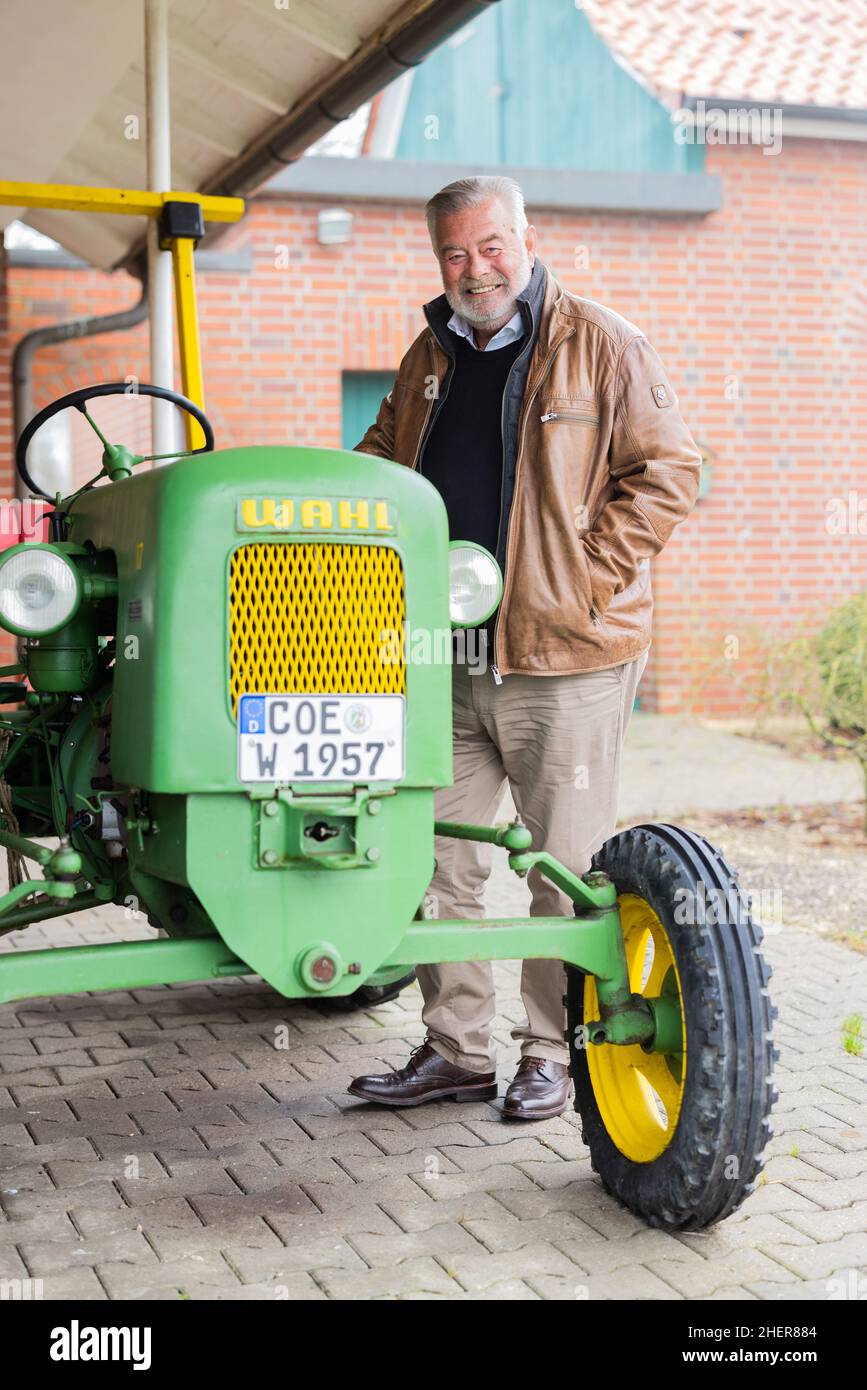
{"points": [[714, 1154]]}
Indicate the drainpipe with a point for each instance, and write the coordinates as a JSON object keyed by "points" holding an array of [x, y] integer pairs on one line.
{"points": [[26, 349]]}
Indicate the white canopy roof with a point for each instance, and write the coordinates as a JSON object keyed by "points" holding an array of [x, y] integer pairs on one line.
{"points": [[253, 83]]}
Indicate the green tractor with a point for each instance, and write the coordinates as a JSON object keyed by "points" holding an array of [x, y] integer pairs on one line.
{"points": [[222, 725]]}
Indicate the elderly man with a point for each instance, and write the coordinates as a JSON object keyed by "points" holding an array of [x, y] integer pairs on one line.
{"points": [[549, 426]]}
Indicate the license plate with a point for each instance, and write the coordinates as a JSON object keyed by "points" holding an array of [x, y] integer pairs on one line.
{"points": [[321, 738]]}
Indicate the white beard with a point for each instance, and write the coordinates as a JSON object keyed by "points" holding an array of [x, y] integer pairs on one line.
{"points": [[477, 316]]}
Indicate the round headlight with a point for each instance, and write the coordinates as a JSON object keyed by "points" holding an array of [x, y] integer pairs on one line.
{"points": [[475, 584], [39, 590]]}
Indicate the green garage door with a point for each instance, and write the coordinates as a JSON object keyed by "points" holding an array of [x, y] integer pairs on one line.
{"points": [[362, 393]]}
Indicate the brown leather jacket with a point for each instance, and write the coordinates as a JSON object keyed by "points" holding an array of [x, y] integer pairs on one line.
{"points": [[605, 469]]}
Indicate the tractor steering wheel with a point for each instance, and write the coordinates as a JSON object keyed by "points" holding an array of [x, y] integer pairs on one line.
{"points": [[78, 400]]}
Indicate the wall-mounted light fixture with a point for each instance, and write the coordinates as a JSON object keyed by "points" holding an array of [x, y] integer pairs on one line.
{"points": [[333, 226]]}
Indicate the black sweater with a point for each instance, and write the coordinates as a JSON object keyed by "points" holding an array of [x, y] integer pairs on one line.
{"points": [[463, 454]]}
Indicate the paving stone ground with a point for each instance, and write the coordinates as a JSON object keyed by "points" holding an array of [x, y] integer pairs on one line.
{"points": [[197, 1141]]}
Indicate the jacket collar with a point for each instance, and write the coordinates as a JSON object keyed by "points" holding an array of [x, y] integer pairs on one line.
{"points": [[556, 323], [532, 302]]}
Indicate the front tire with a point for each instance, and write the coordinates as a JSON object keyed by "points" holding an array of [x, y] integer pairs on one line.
{"points": [[679, 1136]]}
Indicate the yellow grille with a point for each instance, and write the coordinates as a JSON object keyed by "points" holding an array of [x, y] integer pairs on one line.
{"points": [[316, 619]]}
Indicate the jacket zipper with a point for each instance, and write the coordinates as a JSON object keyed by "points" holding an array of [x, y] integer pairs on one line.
{"points": [[503, 444], [572, 417], [495, 669]]}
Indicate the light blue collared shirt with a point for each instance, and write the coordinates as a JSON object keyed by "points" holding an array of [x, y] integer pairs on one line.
{"points": [[507, 334]]}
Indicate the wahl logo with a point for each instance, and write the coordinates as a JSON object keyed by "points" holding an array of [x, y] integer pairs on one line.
{"points": [[311, 514]]}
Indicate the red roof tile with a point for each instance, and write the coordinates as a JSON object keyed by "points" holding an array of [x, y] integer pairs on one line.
{"points": [[785, 52]]}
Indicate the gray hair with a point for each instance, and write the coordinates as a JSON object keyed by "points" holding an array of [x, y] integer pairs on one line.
{"points": [[473, 193]]}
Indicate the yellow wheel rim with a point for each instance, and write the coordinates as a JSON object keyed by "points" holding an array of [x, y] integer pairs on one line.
{"points": [[639, 1094]]}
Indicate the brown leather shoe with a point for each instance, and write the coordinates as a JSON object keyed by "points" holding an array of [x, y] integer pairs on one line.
{"points": [[426, 1076], [540, 1090]]}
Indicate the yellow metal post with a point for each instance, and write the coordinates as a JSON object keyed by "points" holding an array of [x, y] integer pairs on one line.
{"points": [[136, 202], [188, 334]]}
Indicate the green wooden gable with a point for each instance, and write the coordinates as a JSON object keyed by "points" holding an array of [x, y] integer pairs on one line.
{"points": [[530, 85]]}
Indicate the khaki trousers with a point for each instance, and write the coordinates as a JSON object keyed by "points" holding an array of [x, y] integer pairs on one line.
{"points": [[556, 740]]}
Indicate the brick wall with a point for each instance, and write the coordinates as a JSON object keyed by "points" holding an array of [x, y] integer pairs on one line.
{"points": [[758, 312]]}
